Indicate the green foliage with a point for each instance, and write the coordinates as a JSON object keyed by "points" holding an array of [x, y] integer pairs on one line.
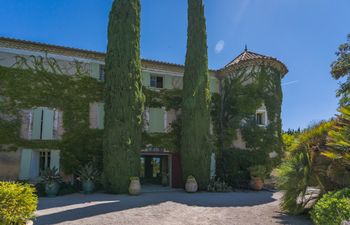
{"points": [[339, 139], [218, 185], [80, 148], [236, 165], [332, 209], [305, 167], [17, 203], [51, 175], [88, 172], [294, 177], [341, 69], [28, 88], [257, 171], [123, 97], [195, 141], [242, 94]]}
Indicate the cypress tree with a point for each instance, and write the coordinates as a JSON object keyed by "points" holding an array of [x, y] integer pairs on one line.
{"points": [[123, 97], [195, 145]]}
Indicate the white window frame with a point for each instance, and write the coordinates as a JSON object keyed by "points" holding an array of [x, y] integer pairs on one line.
{"points": [[156, 77], [47, 160], [263, 112]]}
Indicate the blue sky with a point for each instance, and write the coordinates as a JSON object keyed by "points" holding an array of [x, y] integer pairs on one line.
{"points": [[304, 34]]}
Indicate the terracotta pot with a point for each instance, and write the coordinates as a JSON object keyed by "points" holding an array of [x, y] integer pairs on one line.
{"points": [[256, 183], [191, 185], [135, 187]]}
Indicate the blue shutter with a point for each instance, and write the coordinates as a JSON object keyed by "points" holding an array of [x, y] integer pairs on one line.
{"points": [[47, 132], [101, 115], [37, 113], [55, 159], [26, 158], [95, 70]]}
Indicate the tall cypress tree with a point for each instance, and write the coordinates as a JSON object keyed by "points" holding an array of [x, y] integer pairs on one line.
{"points": [[195, 145], [123, 97]]}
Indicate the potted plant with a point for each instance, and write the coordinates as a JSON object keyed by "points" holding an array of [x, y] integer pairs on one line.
{"points": [[51, 178], [191, 185], [135, 186], [257, 175], [87, 175]]}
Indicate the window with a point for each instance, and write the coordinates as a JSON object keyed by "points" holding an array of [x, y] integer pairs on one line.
{"points": [[102, 73], [156, 81], [260, 118], [43, 123], [44, 160]]}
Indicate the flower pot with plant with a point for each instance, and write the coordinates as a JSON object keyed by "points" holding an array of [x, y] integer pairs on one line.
{"points": [[52, 180], [191, 185], [88, 174], [257, 175], [135, 186]]}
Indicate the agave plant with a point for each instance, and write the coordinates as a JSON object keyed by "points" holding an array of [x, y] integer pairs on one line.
{"points": [[88, 173], [51, 175]]}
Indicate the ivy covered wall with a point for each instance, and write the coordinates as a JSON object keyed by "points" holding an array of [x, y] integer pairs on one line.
{"points": [[244, 90]]}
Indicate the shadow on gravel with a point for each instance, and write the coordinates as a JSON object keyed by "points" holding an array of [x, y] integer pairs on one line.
{"points": [[292, 220], [78, 206]]}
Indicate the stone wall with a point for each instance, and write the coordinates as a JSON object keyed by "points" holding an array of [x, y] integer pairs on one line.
{"points": [[10, 165]]}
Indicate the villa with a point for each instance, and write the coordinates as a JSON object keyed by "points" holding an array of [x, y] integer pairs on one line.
{"points": [[45, 123]]}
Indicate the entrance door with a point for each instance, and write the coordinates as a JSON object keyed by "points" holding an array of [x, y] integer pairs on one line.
{"points": [[154, 170]]}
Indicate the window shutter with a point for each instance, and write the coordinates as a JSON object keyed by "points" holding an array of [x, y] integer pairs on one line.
{"points": [[26, 156], [34, 167], [156, 120], [167, 82], [55, 159], [95, 70], [101, 115], [146, 79], [36, 123], [214, 85], [47, 132]]}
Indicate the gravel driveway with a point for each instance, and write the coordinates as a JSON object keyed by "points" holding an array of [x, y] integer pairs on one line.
{"points": [[237, 208]]}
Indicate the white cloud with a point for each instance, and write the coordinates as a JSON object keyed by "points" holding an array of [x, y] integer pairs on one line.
{"points": [[219, 46], [241, 11], [290, 83]]}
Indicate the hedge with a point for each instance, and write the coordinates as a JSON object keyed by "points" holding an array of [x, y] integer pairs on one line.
{"points": [[18, 203]]}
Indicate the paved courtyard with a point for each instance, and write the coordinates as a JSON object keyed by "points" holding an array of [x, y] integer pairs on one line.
{"points": [[236, 208]]}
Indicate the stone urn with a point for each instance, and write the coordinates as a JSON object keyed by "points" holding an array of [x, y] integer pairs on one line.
{"points": [[191, 185], [135, 186], [256, 183]]}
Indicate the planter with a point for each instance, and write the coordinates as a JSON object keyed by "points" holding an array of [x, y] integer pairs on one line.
{"points": [[135, 187], [165, 180], [191, 185], [88, 186], [52, 189], [256, 183]]}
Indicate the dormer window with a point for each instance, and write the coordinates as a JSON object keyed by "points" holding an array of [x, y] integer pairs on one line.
{"points": [[156, 81]]}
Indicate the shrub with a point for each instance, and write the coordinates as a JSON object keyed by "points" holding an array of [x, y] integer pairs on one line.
{"points": [[333, 208], [257, 171], [218, 185], [17, 203]]}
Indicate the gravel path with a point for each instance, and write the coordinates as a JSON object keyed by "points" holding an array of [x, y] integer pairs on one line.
{"points": [[236, 208]]}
